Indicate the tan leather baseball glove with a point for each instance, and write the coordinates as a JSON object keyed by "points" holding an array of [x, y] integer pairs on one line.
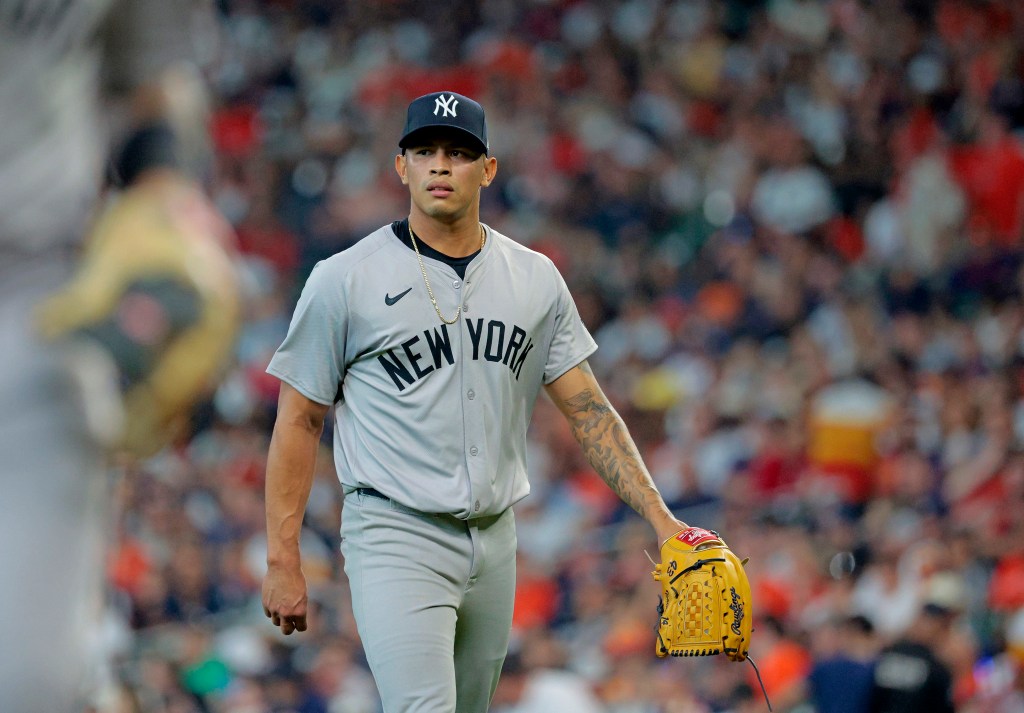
{"points": [[705, 604]]}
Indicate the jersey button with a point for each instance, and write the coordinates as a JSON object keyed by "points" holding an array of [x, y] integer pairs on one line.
{"points": [[456, 284], [476, 506], [471, 394], [473, 450]]}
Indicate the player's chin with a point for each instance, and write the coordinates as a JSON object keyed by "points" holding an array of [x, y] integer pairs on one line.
{"points": [[443, 210]]}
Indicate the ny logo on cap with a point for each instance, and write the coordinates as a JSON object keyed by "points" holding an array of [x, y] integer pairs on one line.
{"points": [[446, 105]]}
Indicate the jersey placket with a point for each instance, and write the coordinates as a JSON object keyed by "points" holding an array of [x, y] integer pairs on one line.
{"points": [[473, 407]]}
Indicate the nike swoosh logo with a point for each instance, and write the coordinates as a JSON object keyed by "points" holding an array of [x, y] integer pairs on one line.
{"points": [[389, 300]]}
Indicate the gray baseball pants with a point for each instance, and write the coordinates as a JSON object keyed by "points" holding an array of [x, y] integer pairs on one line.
{"points": [[54, 514], [432, 597]]}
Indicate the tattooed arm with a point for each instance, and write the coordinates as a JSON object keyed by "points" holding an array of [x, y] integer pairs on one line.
{"points": [[609, 447]]}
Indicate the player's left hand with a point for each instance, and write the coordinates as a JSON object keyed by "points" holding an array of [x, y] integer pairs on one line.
{"points": [[668, 528]]}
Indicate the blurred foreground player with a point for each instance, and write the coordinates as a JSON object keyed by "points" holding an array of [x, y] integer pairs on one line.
{"points": [[105, 340]]}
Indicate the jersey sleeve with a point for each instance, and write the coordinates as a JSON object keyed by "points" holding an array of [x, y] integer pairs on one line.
{"points": [[571, 342], [311, 357]]}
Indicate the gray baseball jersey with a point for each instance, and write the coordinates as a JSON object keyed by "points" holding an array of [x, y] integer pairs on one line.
{"points": [[432, 415]]}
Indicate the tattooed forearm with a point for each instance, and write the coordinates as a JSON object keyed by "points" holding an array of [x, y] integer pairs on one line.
{"points": [[611, 451]]}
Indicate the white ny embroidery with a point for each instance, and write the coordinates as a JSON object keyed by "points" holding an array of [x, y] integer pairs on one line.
{"points": [[446, 105]]}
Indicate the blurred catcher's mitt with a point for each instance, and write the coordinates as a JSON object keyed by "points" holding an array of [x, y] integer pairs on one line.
{"points": [[156, 297]]}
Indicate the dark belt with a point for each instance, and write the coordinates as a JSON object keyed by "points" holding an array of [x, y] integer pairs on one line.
{"points": [[484, 520]]}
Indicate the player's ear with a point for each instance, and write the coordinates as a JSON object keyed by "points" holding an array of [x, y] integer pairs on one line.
{"points": [[401, 169], [490, 171]]}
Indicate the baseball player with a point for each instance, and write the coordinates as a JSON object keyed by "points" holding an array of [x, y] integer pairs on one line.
{"points": [[61, 61], [431, 338]]}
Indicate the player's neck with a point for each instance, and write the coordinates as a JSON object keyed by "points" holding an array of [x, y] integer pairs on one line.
{"points": [[456, 239]]}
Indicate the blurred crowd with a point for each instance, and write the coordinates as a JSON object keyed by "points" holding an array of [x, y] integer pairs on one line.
{"points": [[794, 228]]}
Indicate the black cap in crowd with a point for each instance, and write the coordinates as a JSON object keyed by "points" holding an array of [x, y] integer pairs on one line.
{"points": [[446, 110]]}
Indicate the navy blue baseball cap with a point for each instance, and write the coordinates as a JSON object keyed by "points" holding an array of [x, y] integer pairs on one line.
{"points": [[446, 110]]}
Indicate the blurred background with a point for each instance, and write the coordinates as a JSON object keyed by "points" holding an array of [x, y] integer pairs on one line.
{"points": [[794, 228]]}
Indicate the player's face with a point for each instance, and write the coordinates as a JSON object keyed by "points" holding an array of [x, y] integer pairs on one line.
{"points": [[445, 176]]}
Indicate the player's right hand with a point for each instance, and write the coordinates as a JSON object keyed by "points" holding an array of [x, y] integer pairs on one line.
{"points": [[284, 598]]}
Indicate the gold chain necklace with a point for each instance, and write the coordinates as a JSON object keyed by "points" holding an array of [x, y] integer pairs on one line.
{"points": [[426, 281]]}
